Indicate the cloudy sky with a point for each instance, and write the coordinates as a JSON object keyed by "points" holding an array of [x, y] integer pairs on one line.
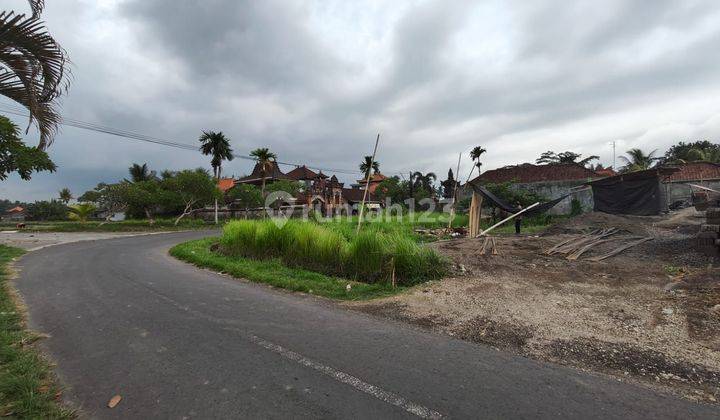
{"points": [[315, 81]]}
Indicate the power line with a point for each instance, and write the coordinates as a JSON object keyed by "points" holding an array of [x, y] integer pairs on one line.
{"points": [[155, 140]]}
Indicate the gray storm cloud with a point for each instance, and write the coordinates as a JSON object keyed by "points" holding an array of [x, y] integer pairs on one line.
{"points": [[315, 81]]}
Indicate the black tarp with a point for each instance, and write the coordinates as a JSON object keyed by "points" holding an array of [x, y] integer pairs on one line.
{"points": [[636, 193], [503, 205]]}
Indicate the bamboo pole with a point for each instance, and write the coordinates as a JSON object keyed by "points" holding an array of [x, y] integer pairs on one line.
{"points": [[508, 218], [455, 193], [367, 184]]}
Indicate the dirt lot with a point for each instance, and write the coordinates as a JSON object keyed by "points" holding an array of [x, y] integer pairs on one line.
{"points": [[650, 314]]}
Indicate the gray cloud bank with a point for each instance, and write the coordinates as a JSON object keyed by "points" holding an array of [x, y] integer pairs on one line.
{"points": [[315, 81]]}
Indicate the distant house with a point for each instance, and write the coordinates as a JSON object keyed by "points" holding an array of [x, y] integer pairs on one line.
{"points": [[15, 214], [677, 185], [549, 181]]}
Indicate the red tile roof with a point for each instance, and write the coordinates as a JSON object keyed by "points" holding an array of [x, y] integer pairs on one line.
{"points": [[225, 184], [696, 171], [527, 173], [17, 209]]}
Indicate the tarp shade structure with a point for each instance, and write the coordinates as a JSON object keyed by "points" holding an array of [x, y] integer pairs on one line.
{"points": [[637, 193], [503, 205]]}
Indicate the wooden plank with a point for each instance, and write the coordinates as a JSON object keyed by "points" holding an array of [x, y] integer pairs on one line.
{"points": [[620, 249]]}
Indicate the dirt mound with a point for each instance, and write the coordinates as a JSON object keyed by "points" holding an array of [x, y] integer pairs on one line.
{"points": [[636, 225]]}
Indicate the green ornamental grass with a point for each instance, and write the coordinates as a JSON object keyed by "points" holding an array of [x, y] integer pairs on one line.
{"points": [[335, 249]]}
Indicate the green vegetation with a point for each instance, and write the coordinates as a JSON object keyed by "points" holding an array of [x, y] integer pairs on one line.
{"points": [[370, 256], [16, 157], [27, 389], [81, 211], [275, 273]]}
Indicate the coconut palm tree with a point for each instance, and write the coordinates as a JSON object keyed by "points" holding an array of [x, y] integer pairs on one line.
{"points": [[637, 160], [216, 145], [368, 165], [65, 195], [33, 69], [140, 173], [265, 158], [425, 181], [81, 211]]}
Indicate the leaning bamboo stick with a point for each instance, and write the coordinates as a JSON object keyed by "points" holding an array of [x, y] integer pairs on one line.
{"points": [[508, 218]]}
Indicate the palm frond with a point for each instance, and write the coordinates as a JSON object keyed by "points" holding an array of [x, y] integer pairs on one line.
{"points": [[32, 70]]}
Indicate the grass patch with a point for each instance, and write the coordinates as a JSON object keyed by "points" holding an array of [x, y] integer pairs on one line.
{"points": [[27, 389], [371, 256], [121, 226], [275, 273]]}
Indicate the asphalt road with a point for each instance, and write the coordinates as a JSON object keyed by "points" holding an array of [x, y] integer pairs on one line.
{"points": [[177, 342]]}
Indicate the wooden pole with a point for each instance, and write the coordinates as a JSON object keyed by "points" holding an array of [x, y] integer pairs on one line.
{"points": [[509, 218], [475, 215], [367, 184], [455, 192]]}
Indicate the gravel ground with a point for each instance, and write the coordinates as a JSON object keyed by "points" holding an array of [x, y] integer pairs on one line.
{"points": [[650, 315]]}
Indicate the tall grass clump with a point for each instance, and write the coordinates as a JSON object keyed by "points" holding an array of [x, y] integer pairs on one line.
{"points": [[370, 256]]}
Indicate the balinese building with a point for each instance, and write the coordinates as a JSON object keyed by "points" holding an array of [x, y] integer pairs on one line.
{"points": [[272, 174], [327, 194]]}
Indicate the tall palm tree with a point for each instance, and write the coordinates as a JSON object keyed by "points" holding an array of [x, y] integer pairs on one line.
{"points": [[265, 158], [32, 69], [216, 145], [475, 154], [65, 195], [638, 160], [140, 173], [425, 181], [368, 165]]}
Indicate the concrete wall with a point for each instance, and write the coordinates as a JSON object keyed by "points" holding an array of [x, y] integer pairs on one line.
{"points": [[554, 189], [677, 191]]}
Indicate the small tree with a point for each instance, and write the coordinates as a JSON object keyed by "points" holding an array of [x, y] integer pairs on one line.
{"points": [[81, 211], [108, 198], [192, 188], [145, 197], [16, 157]]}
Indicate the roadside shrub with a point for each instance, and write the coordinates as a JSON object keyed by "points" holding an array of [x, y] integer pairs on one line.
{"points": [[368, 256]]}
